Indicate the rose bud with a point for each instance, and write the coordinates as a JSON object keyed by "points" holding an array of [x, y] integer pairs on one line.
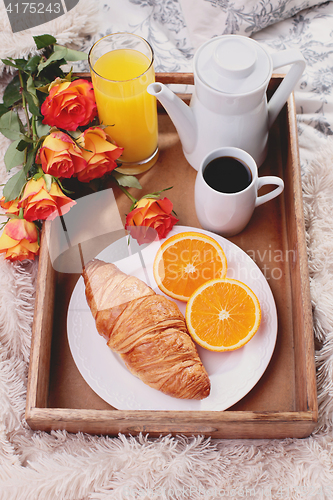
{"points": [[99, 154], [150, 219], [70, 105], [19, 240], [60, 156], [39, 203]]}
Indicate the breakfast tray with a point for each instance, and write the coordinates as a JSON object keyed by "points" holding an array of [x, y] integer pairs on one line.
{"points": [[284, 401]]}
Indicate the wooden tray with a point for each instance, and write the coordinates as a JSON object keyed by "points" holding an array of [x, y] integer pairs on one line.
{"points": [[284, 402]]}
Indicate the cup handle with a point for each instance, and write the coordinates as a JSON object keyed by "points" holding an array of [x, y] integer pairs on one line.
{"points": [[263, 181], [280, 96]]}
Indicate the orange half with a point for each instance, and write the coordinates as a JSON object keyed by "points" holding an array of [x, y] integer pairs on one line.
{"points": [[223, 315], [187, 260]]}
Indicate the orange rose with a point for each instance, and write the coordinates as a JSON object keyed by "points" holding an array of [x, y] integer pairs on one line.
{"points": [[69, 105], [10, 206], [40, 204], [19, 240], [99, 153], [60, 156], [150, 218]]}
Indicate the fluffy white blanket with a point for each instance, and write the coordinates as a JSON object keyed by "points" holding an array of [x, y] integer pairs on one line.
{"points": [[62, 466], [70, 29], [37, 465]]}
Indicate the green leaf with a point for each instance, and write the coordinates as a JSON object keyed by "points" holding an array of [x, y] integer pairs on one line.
{"points": [[33, 170], [22, 145], [31, 97], [42, 129], [10, 125], [70, 54], [3, 109], [53, 71], [9, 62], [20, 63], [32, 64], [30, 160], [34, 110], [13, 157], [32, 89], [43, 41], [38, 172], [126, 180], [14, 186], [12, 92], [56, 56]]}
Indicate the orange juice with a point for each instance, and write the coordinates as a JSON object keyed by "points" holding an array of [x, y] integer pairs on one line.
{"points": [[120, 79]]}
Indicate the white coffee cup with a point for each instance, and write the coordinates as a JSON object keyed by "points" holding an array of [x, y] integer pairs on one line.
{"points": [[228, 213]]}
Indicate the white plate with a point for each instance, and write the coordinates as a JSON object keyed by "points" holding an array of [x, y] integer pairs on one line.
{"points": [[232, 374]]}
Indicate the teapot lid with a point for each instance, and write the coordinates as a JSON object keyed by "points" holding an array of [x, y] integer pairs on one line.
{"points": [[232, 64]]}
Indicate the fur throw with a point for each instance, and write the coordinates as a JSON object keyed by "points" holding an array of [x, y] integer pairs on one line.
{"points": [[70, 29]]}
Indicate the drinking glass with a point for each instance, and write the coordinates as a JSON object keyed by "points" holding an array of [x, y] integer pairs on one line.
{"points": [[121, 66]]}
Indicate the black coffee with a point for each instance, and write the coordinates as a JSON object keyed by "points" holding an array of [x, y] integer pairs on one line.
{"points": [[227, 175]]}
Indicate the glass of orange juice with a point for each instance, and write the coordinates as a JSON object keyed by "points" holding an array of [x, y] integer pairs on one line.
{"points": [[121, 66]]}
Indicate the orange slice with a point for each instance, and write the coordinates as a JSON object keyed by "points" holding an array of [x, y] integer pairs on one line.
{"points": [[223, 315], [185, 261]]}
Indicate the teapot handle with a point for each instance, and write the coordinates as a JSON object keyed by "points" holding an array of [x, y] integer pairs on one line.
{"points": [[287, 85]]}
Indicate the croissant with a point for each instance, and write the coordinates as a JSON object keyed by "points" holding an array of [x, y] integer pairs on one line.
{"points": [[147, 330]]}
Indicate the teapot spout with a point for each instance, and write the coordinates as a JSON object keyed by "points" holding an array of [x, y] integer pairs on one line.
{"points": [[180, 113]]}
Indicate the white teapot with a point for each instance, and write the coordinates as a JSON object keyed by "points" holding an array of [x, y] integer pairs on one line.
{"points": [[229, 105]]}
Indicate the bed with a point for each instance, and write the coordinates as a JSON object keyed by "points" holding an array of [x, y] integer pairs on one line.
{"points": [[59, 465]]}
